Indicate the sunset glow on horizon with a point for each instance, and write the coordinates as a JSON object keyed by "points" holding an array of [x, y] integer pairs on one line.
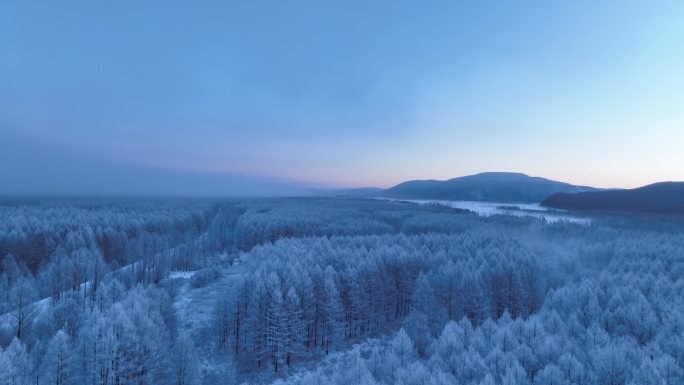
{"points": [[282, 95]]}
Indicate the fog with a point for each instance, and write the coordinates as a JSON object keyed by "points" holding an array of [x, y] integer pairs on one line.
{"points": [[39, 168]]}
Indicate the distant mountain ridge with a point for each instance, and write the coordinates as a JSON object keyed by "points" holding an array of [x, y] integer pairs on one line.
{"points": [[663, 197], [487, 186], [359, 191]]}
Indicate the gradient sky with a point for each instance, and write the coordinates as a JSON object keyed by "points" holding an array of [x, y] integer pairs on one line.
{"points": [[153, 96]]}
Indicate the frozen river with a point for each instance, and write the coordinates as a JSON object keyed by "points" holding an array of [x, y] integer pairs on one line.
{"points": [[516, 209]]}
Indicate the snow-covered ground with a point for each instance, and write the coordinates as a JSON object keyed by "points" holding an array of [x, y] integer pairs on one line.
{"points": [[194, 308], [534, 210]]}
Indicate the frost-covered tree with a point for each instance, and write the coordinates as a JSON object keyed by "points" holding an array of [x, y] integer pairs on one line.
{"points": [[58, 364], [22, 296], [402, 349], [186, 368], [16, 364]]}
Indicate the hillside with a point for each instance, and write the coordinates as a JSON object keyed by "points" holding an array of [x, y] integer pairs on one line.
{"points": [[665, 197], [489, 186]]}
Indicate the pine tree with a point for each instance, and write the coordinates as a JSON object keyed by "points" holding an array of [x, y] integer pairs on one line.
{"points": [[185, 362], [277, 328], [295, 329], [58, 362], [22, 295], [331, 312], [402, 348], [17, 369]]}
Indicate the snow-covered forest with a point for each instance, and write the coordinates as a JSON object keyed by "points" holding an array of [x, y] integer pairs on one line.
{"points": [[334, 291]]}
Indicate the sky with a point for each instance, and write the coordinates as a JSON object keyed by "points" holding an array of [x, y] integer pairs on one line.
{"points": [[257, 97]]}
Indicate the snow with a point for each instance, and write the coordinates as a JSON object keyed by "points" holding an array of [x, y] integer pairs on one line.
{"points": [[181, 274], [533, 210]]}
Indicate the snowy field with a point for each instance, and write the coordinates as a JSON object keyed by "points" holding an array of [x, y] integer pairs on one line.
{"points": [[534, 210]]}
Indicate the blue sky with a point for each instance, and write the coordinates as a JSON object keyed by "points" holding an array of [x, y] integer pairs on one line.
{"points": [[351, 93]]}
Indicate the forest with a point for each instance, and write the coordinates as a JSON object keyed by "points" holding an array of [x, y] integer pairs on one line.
{"points": [[334, 291]]}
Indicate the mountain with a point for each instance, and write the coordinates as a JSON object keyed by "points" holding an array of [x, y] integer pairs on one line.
{"points": [[488, 186], [664, 197]]}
